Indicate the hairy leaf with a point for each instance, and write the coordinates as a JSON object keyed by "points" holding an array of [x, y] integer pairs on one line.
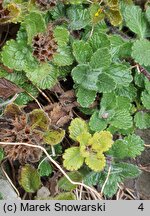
{"points": [[34, 23], [105, 83], [61, 35], [44, 76], [29, 179], [131, 146], [135, 20], [101, 58], [82, 51], [96, 123], [66, 185], [141, 52], [77, 127], [45, 169], [111, 185], [83, 74], [120, 73], [122, 119], [96, 161], [85, 97], [63, 57], [79, 17], [142, 120], [53, 137], [73, 159], [101, 141]]}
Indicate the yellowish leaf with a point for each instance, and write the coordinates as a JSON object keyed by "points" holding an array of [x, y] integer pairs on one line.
{"points": [[96, 162], [101, 141], [53, 137]]}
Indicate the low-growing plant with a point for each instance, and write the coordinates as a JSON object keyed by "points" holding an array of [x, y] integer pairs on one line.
{"points": [[103, 47]]}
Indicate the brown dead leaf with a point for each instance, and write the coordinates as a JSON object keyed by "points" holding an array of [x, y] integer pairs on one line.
{"points": [[7, 88]]}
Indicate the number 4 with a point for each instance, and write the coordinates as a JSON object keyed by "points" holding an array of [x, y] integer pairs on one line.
{"points": [[141, 207]]}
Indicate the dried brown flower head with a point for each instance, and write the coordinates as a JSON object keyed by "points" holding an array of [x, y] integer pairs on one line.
{"points": [[45, 45]]}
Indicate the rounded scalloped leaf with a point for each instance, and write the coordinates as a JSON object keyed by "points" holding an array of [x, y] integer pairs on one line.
{"points": [[66, 185], [85, 97], [77, 127], [83, 138], [73, 159], [146, 99], [82, 51], [101, 58], [44, 76], [38, 120], [29, 179], [61, 35], [34, 23], [96, 162], [141, 52], [142, 120], [53, 137], [13, 56], [84, 151], [101, 141], [63, 57]]}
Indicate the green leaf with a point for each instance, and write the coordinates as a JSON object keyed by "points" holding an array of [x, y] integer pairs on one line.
{"points": [[109, 101], [29, 179], [101, 58], [120, 73], [105, 83], [17, 56], [73, 159], [122, 119], [45, 169], [92, 178], [44, 76], [85, 97], [148, 14], [34, 23], [82, 51], [146, 99], [141, 52], [63, 57], [96, 161], [128, 170], [79, 17], [66, 185], [99, 40], [142, 120], [96, 123], [129, 91], [61, 35], [53, 137], [77, 127], [111, 185], [120, 47], [65, 196], [1, 154], [135, 20], [83, 74], [131, 146]]}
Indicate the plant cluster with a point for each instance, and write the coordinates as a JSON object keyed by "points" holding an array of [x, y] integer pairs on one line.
{"points": [[104, 49]]}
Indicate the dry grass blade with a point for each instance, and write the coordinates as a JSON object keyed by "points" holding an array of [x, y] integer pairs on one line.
{"points": [[93, 191]]}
